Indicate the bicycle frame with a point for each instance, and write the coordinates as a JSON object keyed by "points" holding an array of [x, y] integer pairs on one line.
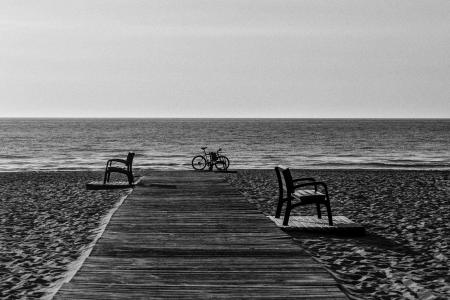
{"points": [[208, 157]]}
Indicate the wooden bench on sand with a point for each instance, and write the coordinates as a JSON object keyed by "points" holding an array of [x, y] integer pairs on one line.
{"points": [[293, 193]]}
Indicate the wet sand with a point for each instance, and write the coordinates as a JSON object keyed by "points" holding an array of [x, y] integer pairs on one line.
{"points": [[405, 253], [47, 219]]}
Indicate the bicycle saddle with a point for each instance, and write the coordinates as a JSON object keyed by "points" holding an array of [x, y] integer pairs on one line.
{"points": [[203, 148]]}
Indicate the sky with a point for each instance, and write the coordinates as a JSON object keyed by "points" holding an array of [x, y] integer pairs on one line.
{"points": [[230, 58]]}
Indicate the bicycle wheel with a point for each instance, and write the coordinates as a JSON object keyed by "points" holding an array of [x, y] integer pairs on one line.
{"points": [[199, 162], [227, 161], [222, 163]]}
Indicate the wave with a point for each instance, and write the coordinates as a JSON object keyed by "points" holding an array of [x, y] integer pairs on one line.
{"points": [[171, 144], [15, 156]]}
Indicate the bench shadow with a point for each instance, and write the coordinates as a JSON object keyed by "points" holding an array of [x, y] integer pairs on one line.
{"points": [[370, 239]]}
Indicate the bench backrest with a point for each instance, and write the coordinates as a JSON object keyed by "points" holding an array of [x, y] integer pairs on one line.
{"points": [[285, 184], [288, 181], [282, 189]]}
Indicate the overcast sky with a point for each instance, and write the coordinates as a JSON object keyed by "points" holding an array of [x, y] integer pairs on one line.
{"points": [[231, 58]]}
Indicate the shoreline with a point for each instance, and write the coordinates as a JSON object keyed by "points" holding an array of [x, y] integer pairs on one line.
{"points": [[48, 219], [138, 170]]}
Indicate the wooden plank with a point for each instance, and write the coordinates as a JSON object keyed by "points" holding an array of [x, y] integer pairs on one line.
{"points": [[190, 235], [99, 185]]}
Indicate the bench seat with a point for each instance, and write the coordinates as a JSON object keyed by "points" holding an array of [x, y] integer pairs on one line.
{"points": [[309, 196]]}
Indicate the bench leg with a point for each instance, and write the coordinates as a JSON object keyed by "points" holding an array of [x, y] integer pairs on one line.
{"points": [[286, 215], [130, 178], [319, 213], [105, 178], [279, 208], [330, 217]]}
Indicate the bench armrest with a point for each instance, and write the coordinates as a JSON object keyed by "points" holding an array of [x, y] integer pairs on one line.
{"points": [[304, 179], [110, 161], [315, 184]]}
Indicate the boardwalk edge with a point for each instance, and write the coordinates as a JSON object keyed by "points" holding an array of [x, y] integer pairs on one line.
{"points": [[74, 266]]}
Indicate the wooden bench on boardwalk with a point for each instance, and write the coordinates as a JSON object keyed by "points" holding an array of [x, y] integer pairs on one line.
{"points": [[125, 167], [190, 235]]}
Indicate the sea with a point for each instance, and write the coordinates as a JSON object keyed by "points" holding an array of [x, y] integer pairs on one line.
{"points": [[170, 144]]}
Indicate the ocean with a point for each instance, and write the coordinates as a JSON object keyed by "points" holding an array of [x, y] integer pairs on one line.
{"points": [[80, 144]]}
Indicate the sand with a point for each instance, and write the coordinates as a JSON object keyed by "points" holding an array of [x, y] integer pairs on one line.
{"points": [[47, 219], [405, 253]]}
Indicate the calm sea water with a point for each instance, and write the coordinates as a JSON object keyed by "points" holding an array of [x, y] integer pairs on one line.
{"points": [[56, 144]]}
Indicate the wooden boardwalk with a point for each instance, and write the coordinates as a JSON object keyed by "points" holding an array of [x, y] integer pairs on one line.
{"points": [[190, 235]]}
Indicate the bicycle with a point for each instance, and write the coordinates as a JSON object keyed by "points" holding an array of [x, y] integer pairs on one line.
{"points": [[211, 159]]}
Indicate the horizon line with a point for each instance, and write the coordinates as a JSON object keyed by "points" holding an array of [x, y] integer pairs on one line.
{"points": [[241, 118]]}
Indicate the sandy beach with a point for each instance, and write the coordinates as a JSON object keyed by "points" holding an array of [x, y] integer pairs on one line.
{"points": [[48, 218], [46, 221], [405, 253]]}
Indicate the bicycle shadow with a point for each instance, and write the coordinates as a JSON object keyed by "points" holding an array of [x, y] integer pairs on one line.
{"points": [[217, 171]]}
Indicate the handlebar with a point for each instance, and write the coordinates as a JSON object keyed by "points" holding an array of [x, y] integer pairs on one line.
{"points": [[204, 148]]}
